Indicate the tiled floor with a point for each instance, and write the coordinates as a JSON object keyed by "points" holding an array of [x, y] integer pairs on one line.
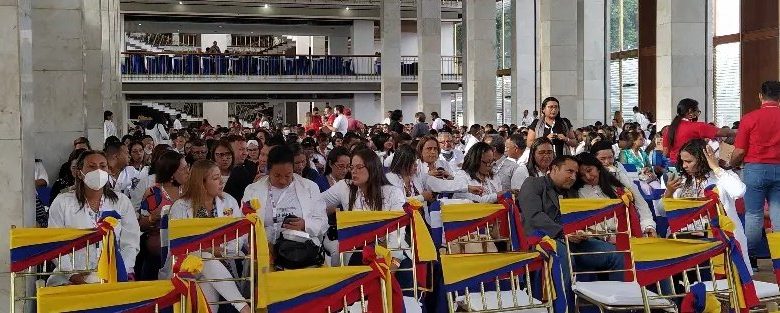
{"points": [[765, 272]]}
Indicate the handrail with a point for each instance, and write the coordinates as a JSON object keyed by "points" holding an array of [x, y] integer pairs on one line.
{"points": [[274, 55]]}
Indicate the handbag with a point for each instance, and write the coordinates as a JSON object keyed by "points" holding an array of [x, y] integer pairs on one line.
{"points": [[297, 252]]}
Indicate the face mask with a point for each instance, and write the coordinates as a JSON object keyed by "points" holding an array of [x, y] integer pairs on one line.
{"points": [[96, 179]]}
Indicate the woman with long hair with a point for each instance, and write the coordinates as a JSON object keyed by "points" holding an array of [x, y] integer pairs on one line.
{"points": [[540, 157], [633, 153], [428, 149], [172, 172], [203, 198], [552, 126], [136, 149], [699, 170], [302, 167], [617, 120], [685, 127], [595, 181], [337, 165], [404, 174], [478, 167], [90, 200], [146, 177], [223, 155]]}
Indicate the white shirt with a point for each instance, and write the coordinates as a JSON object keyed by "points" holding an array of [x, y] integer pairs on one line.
{"points": [[108, 129], [457, 158], [470, 141], [503, 171], [126, 182], [283, 203], [177, 124], [226, 206], [65, 212], [265, 124], [490, 195], [386, 121], [340, 124], [642, 120], [438, 123], [526, 121], [523, 160], [40, 172]]}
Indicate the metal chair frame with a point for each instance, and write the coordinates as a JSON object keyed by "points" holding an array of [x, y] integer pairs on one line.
{"points": [[206, 246], [486, 231]]}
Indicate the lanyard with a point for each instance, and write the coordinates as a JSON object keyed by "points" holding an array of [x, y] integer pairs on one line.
{"points": [[95, 216], [271, 197]]}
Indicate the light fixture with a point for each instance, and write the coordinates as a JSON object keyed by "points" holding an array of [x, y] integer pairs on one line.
{"points": [[220, 26], [180, 2], [251, 32], [139, 24], [347, 8], [266, 5]]}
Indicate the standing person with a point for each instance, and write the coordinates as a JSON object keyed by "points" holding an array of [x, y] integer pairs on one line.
{"points": [[83, 207], [553, 126], [757, 145], [177, 122], [449, 153], [526, 120], [686, 127], [472, 137], [640, 118], [353, 124], [387, 120], [156, 129], [438, 122], [215, 48], [421, 128], [395, 125], [504, 167], [617, 121], [109, 129], [340, 123]]}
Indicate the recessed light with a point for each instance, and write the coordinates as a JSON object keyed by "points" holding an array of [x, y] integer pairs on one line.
{"points": [[220, 26], [347, 8], [139, 24], [266, 5], [251, 32], [180, 2]]}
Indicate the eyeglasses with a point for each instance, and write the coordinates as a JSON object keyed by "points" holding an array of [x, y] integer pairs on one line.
{"points": [[357, 167], [223, 155], [545, 152], [340, 166]]}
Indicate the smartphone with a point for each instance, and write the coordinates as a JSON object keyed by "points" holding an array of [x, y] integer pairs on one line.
{"points": [[673, 173]]}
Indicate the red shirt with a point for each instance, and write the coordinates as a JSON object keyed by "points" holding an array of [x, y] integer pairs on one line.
{"points": [[759, 135], [686, 131]]}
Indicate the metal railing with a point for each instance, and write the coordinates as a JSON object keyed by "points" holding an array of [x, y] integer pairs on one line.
{"points": [[197, 66], [405, 3]]}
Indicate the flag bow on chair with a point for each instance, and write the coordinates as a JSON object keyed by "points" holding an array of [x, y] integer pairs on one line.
{"points": [[193, 234], [723, 229], [548, 248], [682, 212], [657, 258], [144, 296], [358, 228], [698, 300], [33, 246], [461, 219], [515, 223], [306, 290]]}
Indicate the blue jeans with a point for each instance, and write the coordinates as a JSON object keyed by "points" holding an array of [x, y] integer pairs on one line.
{"points": [[763, 185]]}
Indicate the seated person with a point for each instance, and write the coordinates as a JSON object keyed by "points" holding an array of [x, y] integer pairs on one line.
{"points": [[541, 211], [287, 200], [203, 198]]}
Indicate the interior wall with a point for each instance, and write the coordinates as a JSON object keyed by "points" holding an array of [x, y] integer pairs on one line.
{"points": [[759, 49]]}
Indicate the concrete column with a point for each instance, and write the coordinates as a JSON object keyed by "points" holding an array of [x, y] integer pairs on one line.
{"points": [[363, 37], [682, 52], [429, 52], [525, 64], [559, 52], [337, 45], [300, 111], [318, 46], [391, 54], [16, 127], [480, 57], [216, 113], [446, 106], [366, 109], [111, 47], [92, 55], [592, 60]]}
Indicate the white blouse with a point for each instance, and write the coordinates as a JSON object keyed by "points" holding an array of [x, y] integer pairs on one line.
{"points": [[491, 188], [65, 212]]}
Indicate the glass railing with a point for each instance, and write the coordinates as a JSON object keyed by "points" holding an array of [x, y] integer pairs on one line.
{"points": [[144, 66]]}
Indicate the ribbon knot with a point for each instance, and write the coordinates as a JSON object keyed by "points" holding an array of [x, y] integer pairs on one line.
{"points": [[380, 259], [548, 249], [699, 301]]}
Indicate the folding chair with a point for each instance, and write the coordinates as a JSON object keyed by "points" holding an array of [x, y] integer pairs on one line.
{"points": [[360, 229], [71, 251], [221, 239], [494, 282], [481, 228]]}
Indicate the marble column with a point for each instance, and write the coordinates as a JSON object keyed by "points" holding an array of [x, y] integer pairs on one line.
{"points": [[592, 61], [16, 127], [429, 52], [559, 51], [525, 63], [480, 56], [681, 56], [390, 26]]}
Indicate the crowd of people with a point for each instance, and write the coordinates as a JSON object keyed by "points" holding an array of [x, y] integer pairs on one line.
{"points": [[302, 174]]}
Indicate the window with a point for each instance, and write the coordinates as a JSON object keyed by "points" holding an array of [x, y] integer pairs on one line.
{"points": [[727, 103], [624, 63]]}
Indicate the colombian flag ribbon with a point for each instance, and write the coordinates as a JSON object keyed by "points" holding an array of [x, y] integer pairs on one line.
{"points": [[656, 258], [723, 229], [193, 234], [461, 219], [515, 223], [579, 214], [33, 246], [142, 296], [682, 212], [359, 228], [698, 300], [464, 270], [548, 248], [774, 252], [305, 290], [111, 267]]}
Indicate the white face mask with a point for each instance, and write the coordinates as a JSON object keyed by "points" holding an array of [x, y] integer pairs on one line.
{"points": [[96, 179]]}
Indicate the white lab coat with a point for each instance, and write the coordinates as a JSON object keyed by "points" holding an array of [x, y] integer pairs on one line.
{"points": [[65, 212]]}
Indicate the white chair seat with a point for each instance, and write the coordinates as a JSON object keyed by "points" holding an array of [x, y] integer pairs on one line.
{"points": [[764, 290], [616, 293], [410, 304], [491, 301]]}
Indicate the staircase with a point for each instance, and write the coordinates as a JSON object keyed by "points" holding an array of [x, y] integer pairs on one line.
{"points": [[135, 42], [170, 110]]}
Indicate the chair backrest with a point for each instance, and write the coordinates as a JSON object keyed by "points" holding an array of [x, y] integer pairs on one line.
{"points": [[687, 217], [494, 282], [225, 240], [475, 228], [39, 255]]}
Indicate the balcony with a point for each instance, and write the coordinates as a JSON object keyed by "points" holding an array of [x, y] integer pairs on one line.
{"points": [[147, 67]]}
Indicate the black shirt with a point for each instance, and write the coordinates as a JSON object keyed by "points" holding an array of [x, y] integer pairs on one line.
{"points": [[561, 126]]}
